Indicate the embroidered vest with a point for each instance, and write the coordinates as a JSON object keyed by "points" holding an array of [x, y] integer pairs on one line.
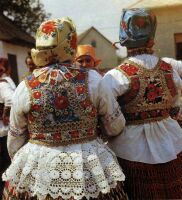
{"points": [[150, 95], [61, 111]]}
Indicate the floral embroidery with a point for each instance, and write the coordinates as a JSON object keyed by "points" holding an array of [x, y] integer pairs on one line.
{"points": [[73, 41], [153, 91], [148, 97], [165, 66], [61, 110], [140, 22], [37, 95], [48, 27], [129, 69], [124, 25], [33, 83], [61, 102]]}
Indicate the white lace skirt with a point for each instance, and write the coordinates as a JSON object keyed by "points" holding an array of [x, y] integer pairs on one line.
{"points": [[72, 171]]}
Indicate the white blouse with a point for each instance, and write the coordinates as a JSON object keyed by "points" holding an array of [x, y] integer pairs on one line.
{"points": [[6, 93], [154, 142], [76, 170], [108, 109]]}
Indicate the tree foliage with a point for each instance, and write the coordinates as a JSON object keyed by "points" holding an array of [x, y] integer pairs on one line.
{"points": [[26, 14]]}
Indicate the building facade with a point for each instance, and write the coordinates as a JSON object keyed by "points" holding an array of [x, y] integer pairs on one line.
{"points": [[103, 47], [14, 45]]}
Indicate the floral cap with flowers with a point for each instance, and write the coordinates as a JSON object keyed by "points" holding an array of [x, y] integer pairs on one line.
{"points": [[137, 28], [56, 42]]}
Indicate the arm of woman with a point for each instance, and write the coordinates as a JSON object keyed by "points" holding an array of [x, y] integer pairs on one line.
{"points": [[18, 132], [112, 85]]}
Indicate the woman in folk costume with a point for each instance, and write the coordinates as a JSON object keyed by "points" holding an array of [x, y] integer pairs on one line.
{"points": [[146, 87], [53, 142], [7, 88]]}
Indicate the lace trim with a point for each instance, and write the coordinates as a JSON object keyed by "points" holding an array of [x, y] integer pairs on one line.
{"points": [[73, 171]]}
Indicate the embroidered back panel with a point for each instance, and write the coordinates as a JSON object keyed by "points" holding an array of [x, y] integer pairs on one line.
{"points": [[61, 110], [151, 92]]}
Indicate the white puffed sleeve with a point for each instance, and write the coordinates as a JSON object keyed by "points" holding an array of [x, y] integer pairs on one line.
{"points": [[176, 64], [18, 121], [113, 84], [6, 93]]}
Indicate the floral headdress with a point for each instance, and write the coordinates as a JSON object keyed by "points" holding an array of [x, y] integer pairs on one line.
{"points": [[56, 41]]}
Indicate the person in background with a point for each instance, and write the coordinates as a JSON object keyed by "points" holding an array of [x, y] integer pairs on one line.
{"points": [[29, 63], [86, 57], [7, 88], [53, 143], [146, 88]]}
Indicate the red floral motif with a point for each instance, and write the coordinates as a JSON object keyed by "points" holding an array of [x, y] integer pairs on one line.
{"points": [[140, 22], [93, 112], [81, 76], [57, 136], [151, 86], [144, 115], [85, 103], [40, 136], [164, 113], [124, 25], [151, 96], [165, 66], [61, 102], [34, 83], [54, 73], [36, 107], [74, 134], [135, 84], [73, 41], [68, 75], [48, 27], [91, 131], [37, 95], [52, 82], [170, 83], [80, 89], [153, 113], [129, 69], [159, 91]]}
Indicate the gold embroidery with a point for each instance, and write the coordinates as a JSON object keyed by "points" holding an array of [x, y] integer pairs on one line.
{"points": [[146, 105], [64, 143]]}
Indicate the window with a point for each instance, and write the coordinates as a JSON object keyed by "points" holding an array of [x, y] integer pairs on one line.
{"points": [[178, 45], [13, 64], [93, 43]]}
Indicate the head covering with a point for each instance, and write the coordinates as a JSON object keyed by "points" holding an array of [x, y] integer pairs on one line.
{"points": [[137, 28], [87, 50], [56, 41]]}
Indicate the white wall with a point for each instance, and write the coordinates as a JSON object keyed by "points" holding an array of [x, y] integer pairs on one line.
{"points": [[20, 52]]}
